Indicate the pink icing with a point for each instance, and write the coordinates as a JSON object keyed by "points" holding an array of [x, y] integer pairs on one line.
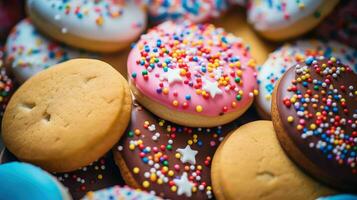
{"points": [[182, 37]]}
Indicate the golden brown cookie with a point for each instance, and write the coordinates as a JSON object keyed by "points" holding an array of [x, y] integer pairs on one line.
{"points": [[250, 164], [67, 116]]}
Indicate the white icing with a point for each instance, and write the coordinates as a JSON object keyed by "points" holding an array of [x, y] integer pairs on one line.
{"points": [[268, 15], [288, 55], [187, 155], [124, 28], [29, 52], [184, 186]]}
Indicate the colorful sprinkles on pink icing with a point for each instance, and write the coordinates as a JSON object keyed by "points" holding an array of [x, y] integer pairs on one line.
{"points": [[324, 112], [194, 68]]}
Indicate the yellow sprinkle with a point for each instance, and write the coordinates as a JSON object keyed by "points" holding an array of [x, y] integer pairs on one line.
{"points": [[290, 119], [194, 189], [146, 184], [313, 126], [131, 146], [173, 188], [199, 108], [190, 142], [177, 155], [136, 170], [159, 181], [100, 177], [199, 167], [209, 188], [171, 173]]}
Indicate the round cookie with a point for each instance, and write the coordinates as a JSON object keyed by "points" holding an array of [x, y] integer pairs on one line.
{"points": [[280, 20], [21, 181], [195, 11], [193, 75], [166, 159], [341, 24], [82, 96], [290, 54], [118, 192], [11, 11], [29, 52], [95, 25], [100, 174], [314, 111], [250, 164]]}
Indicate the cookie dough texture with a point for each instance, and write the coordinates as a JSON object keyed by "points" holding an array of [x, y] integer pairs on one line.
{"points": [[67, 116], [250, 164]]}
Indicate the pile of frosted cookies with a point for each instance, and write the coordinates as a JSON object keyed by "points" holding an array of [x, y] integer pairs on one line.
{"points": [[200, 99]]}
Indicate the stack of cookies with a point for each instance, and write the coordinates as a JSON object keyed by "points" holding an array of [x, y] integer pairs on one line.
{"points": [[196, 112]]}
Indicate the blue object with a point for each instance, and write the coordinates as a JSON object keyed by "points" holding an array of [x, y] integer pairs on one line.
{"points": [[339, 197], [19, 181]]}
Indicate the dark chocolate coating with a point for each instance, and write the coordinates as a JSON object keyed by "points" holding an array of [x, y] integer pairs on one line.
{"points": [[206, 146], [73, 180], [330, 171]]}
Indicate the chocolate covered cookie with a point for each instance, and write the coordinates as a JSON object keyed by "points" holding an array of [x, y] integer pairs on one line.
{"points": [[315, 116]]}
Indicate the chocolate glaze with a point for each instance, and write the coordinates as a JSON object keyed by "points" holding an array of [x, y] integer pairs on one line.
{"points": [[85, 179], [207, 148], [340, 176]]}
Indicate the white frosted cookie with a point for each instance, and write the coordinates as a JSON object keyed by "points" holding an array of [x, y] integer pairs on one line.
{"points": [[29, 52], [97, 25], [283, 19], [287, 56], [179, 10]]}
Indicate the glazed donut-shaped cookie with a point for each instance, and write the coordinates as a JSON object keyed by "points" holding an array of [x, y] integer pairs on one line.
{"points": [[290, 54], [28, 52], [193, 75], [21, 181], [118, 192], [96, 25], [314, 111], [97, 175], [280, 20], [195, 11]]}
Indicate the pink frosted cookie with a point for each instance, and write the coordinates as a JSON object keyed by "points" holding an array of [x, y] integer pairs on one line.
{"points": [[193, 75]]}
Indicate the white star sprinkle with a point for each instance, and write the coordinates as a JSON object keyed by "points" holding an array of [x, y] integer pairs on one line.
{"points": [[173, 76], [184, 185], [187, 155], [211, 87]]}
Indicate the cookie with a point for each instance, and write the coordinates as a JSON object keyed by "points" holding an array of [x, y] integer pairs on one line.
{"points": [[250, 164], [181, 10], [314, 111], [118, 192], [82, 96], [193, 75], [21, 181], [341, 24], [166, 159], [28, 52], [98, 175], [288, 55], [94, 25], [281, 20]]}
